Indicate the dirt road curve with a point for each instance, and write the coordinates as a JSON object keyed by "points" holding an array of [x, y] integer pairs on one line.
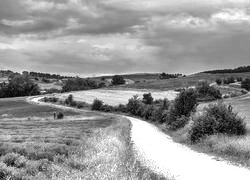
{"points": [[158, 152]]}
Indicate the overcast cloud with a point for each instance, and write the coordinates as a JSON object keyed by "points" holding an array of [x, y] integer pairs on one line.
{"points": [[92, 37]]}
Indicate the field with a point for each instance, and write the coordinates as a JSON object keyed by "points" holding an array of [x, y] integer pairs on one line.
{"points": [[170, 84], [115, 97], [83, 145]]}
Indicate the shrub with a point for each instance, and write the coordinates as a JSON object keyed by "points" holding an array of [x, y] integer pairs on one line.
{"points": [[207, 92], [121, 108], [147, 98], [118, 80], [218, 81], [217, 118], [107, 108], [60, 115], [239, 79], [185, 102], [135, 106], [10, 158], [76, 84], [69, 99], [246, 84], [97, 105]]}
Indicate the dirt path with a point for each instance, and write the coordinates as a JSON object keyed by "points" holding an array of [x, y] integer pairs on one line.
{"points": [[158, 152], [161, 154]]}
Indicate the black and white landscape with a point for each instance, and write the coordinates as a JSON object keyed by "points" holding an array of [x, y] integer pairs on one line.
{"points": [[124, 89]]}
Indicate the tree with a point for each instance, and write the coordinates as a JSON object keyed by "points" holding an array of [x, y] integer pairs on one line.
{"points": [[246, 84], [19, 85], [219, 81], [118, 80], [147, 98]]}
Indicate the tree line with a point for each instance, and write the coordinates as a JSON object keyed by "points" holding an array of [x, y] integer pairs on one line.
{"points": [[240, 69]]}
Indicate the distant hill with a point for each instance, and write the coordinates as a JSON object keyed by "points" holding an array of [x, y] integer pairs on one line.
{"points": [[241, 69]]}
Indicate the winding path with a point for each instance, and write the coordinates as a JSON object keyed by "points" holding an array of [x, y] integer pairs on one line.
{"points": [[158, 152]]}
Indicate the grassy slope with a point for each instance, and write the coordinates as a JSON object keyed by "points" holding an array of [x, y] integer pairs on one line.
{"points": [[170, 84], [40, 147]]}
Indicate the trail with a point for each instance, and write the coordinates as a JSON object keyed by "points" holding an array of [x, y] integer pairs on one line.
{"points": [[161, 154], [158, 152]]}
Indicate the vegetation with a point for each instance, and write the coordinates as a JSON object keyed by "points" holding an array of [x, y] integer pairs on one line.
{"points": [[217, 119], [118, 80], [77, 84], [246, 84], [207, 92], [218, 81], [229, 80], [147, 98], [19, 85], [169, 76], [241, 69], [47, 75], [97, 105]]}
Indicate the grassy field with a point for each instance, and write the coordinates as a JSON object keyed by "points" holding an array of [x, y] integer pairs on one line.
{"points": [[35, 146], [170, 84]]}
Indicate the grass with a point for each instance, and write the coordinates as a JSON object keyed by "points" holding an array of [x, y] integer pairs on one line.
{"points": [[170, 84], [40, 147]]}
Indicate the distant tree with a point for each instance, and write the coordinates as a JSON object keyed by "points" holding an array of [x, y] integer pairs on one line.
{"points": [[246, 84], [219, 81], [147, 98], [118, 80], [19, 85], [76, 84], [239, 79]]}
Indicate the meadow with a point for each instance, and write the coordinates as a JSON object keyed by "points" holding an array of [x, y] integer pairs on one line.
{"points": [[153, 82], [83, 145]]}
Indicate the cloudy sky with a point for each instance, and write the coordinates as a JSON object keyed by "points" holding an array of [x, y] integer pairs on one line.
{"points": [[92, 37]]}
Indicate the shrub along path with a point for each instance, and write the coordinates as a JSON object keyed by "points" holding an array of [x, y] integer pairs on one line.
{"points": [[158, 152]]}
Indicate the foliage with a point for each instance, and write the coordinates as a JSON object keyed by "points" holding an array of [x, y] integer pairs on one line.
{"points": [[19, 85], [135, 106], [218, 81], [76, 84], [239, 79], [217, 118], [207, 92], [60, 115], [118, 80], [185, 102], [246, 84], [97, 105], [169, 76], [229, 80], [147, 98], [241, 69]]}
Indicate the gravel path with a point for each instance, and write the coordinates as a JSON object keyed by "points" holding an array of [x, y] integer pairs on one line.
{"points": [[159, 153]]}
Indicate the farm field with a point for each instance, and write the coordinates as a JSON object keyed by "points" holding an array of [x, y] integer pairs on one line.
{"points": [[33, 145], [115, 97]]}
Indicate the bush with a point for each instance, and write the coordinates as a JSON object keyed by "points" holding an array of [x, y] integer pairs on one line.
{"points": [[239, 79], [135, 106], [185, 102], [76, 84], [218, 81], [207, 92], [246, 84], [147, 98], [217, 119], [97, 105], [106, 108], [69, 100], [118, 80], [60, 115]]}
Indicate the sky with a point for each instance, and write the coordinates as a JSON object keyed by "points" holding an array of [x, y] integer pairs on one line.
{"points": [[95, 37]]}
